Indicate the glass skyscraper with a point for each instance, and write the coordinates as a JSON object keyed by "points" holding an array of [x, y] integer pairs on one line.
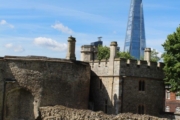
{"points": [[135, 41]]}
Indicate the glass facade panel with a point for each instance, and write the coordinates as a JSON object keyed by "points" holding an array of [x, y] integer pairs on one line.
{"points": [[135, 33]]}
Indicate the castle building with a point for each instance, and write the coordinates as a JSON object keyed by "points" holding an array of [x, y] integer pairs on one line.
{"points": [[119, 85], [135, 41], [116, 85]]}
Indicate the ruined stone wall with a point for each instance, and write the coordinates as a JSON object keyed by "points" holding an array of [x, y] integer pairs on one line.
{"points": [[63, 113], [152, 98], [1, 86], [49, 81]]}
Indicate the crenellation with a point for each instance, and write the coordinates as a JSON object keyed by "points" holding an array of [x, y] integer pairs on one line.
{"points": [[153, 65], [138, 63], [160, 65]]}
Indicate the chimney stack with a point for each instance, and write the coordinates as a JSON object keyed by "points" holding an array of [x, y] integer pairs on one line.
{"points": [[147, 54], [113, 50], [71, 48]]}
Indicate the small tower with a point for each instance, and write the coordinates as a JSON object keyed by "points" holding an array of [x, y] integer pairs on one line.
{"points": [[87, 52], [147, 54], [71, 48], [113, 50]]}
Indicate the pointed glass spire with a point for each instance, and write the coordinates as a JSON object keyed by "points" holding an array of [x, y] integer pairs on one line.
{"points": [[135, 41]]}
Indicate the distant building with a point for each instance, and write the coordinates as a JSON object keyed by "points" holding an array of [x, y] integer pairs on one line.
{"points": [[97, 43], [172, 103], [135, 41]]}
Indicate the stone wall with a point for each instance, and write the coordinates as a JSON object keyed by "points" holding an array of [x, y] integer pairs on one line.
{"points": [[141, 68], [63, 113], [1, 86], [112, 73], [49, 81], [152, 97]]}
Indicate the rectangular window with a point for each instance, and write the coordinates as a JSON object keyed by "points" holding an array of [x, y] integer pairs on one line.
{"points": [[141, 85], [141, 109], [167, 94], [177, 96], [167, 109]]}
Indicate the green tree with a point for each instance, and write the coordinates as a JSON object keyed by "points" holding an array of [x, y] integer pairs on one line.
{"points": [[171, 59], [124, 55], [103, 52], [154, 56]]}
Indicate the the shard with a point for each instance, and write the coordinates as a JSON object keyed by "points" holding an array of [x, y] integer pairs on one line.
{"points": [[135, 41]]}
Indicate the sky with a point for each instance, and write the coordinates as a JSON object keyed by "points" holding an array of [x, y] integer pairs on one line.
{"points": [[42, 27]]}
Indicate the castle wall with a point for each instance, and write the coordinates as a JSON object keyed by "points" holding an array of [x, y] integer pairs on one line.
{"points": [[105, 87], [50, 81], [113, 73], [18, 103], [1, 86], [136, 68], [152, 98]]}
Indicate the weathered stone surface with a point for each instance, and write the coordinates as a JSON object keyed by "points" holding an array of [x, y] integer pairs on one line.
{"points": [[64, 113], [49, 81], [152, 97], [120, 79]]}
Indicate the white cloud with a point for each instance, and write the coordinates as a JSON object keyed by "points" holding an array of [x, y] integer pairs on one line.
{"points": [[9, 45], [50, 44], [62, 28], [15, 48], [4, 22]]}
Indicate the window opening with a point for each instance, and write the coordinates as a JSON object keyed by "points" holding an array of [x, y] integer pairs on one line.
{"points": [[141, 109], [141, 86]]}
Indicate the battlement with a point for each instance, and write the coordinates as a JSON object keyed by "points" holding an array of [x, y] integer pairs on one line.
{"points": [[128, 63], [128, 67]]}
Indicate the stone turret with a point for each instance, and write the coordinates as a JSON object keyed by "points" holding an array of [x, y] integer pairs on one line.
{"points": [[113, 50], [71, 48], [87, 52], [147, 54]]}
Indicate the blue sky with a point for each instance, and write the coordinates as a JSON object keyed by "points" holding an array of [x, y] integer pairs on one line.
{"points": [[41, 27]]}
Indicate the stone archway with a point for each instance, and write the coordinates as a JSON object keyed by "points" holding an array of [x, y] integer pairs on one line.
{"points": [[18, 105]]}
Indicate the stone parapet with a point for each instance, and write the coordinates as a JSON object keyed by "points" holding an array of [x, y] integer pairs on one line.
{"points": [[129, 67]]}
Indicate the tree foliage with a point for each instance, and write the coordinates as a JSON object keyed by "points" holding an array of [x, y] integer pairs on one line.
{"points": [[104, 53], [154, 56], [171, 59], [124, 55]]}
